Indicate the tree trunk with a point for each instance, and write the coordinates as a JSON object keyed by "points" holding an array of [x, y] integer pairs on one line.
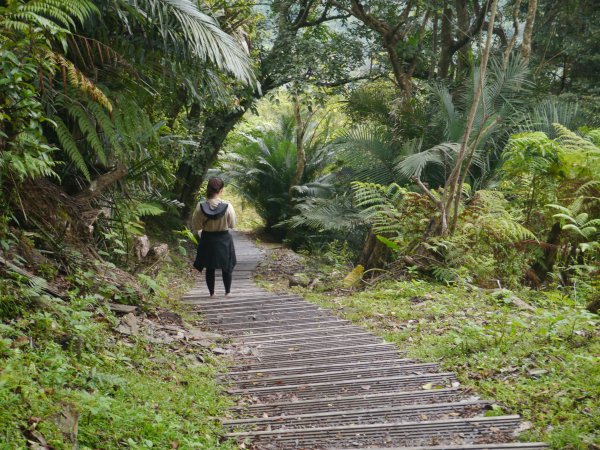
{"points": [[513, 39], [98, 185], [446, 42], [193, 167], [374, 254], [300, 151], [400, 76], [451, 190], [462, 21], [528, 31], [434, 46], [544, 266]]}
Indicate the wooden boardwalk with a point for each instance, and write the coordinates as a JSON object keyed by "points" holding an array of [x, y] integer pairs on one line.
{"points": [[310, 380]]}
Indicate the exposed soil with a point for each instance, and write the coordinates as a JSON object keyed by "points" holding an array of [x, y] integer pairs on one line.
{"points": [[279, 265]]}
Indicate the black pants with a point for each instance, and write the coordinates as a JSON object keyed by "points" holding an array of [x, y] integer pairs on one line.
{"points": [[210, 280]]}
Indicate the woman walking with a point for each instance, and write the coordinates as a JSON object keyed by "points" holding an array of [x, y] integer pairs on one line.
{"points": [[214, 218]]}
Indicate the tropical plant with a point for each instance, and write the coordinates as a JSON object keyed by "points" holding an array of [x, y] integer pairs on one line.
{"points": [[24, 153], [263, 168], [79, 103]]}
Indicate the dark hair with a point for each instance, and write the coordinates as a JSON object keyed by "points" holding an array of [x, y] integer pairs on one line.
{"points": [[215, 184]]}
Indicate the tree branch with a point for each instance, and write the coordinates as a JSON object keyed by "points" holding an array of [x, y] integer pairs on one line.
{"points": [[473, 29], [413, 64], [101, 183], [344, 81], [324, 18], [428, 192]]}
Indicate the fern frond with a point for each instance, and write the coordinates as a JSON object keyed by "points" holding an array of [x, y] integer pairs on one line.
{"points": [[381, 205], [88, 127], [70, 147], [55, 16], [78, 80], [505, 229], [107, 126], [590, 188], [571, 141], [327, 214], [148, 209], [181, 23]]}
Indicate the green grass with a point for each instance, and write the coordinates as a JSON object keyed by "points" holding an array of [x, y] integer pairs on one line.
{"points": [[58, 356], [544, 364]]}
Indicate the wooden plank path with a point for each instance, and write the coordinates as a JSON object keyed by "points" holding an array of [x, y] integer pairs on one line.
{"points": [[310, 380]]}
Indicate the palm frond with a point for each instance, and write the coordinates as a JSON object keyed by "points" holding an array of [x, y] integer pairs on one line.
{"points": [[327, 214], [414, 165], [200, 33], [550, 111]]}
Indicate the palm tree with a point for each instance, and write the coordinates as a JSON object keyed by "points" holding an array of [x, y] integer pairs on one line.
{"points": [[263, 167]]}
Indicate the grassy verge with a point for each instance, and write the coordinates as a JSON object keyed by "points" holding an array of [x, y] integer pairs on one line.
{"points": [[542, 364], [66, 377]]}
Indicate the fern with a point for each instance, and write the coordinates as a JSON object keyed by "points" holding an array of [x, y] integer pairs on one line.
{"points": [[79, 81], [327, 214], [55, 16], [70, 147], [504, 229], [494, 219], [107, 126], [381, 205], [88, 127], [573, 142], [148, 209]]}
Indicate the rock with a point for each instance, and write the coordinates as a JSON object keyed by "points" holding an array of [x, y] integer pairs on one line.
{"points": [[594, 306], [141, 246], [125, 309], [525, 425], [158, 252], [195, 360], [159, 340], [196, 334], [67, 421], [219, 351], [129, 325], [299, 279], [421, 299], [508, 297]]}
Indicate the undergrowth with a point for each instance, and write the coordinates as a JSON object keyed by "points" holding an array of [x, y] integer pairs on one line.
{"points": [[67, 379]]}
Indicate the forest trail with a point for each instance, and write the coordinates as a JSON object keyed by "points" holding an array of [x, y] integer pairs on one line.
{"points": [[310, 380]]}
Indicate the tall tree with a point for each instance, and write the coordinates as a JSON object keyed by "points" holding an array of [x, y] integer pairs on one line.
{"points": [[566, 45], [528, 30], [400, 32], [305, 48]]}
